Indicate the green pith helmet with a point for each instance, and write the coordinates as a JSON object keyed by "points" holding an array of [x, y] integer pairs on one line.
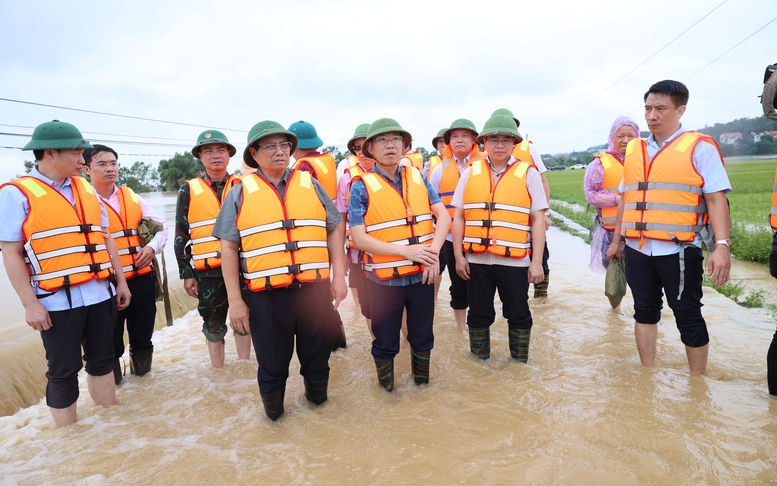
{"points": [[461, 123], [385, 125], [306, 135], [210, 137], [438, 137], [506, 112], [56, 135], [198, 165], [500, 125], [265, 129], [360, 132]]}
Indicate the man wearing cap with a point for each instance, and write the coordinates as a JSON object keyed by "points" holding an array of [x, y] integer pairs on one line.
{"points": [[434, 160], [390, 212], [198, 252], [282, 230], [460, 151], [125, 211], [525, 150], [308, 158], [59, 256], [358, 165], [498, 223]]}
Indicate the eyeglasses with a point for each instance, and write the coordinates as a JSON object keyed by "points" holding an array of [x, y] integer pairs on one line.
{"points": [[104, 165], [496, 141], [384, 140], [357, 148], [273, 147]]}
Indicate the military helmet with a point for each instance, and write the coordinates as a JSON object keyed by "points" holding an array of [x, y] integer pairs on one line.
{"points": [[265, 129], [438, 137], [461, 123], [210, 137], [385, 125], [360, 132], [56, 135], [506, 112], [500, 125], [306, 134]]}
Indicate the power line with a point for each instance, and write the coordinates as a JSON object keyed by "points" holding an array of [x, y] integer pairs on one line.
{"points": [[109, 134], [634, 69], [120, 116]]}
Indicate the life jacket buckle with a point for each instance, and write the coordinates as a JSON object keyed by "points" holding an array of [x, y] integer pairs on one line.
{"points": [[288, 224], [640, 226], [84, 228], [90, 248], [291, 246], [485, 241], [643, 186], [294, 269], [641, 206], [486, 223], [413, 240]]}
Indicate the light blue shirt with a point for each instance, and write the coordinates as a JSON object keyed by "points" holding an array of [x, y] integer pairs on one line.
{"points": [[14, 207], [709, 165], [357, 207]]}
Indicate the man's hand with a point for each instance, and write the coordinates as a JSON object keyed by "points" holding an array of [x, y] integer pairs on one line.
{"points": [[238, 316], [123, 295], [431, 271], [339, 290], [462, 267], [615, 250], [422, 254], [190, 285], [37, 316], [535, 273], [145, 256], [719, 265]]}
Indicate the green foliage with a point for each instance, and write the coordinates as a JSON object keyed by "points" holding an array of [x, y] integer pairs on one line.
{"points": [[755, 299], [335, 153], [141, 177], [28, 166], [573, 158], [734, 290], [745, 126], [751, 244], [172, 172]]}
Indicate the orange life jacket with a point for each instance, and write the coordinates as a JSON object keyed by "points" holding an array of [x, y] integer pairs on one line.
{"points": [[353, 171], [498, 216], [416, 159], [522, 152], [282, 240], [63, 243], [613, 174], [324, 170], [123, 227], [204, 208], [773, 216], [403, 219], [450, 174], [434, 161], [663, 199]]}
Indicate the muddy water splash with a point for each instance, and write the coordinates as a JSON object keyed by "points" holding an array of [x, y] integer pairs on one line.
{"points": [[583, 411]]}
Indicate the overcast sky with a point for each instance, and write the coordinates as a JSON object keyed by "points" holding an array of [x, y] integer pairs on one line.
{"points": [[566, 69]]}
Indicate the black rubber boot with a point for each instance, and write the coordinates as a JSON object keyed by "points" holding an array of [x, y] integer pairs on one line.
{"points": [[419, 363], [315, 391], [385, 369], [140, 361], [519, 344], [480, 342], [541, 289], [273, 404], [117, 373], [771, 366]]}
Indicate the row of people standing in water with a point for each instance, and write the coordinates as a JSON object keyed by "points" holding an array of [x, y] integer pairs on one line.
{"points": [[267, 249]]}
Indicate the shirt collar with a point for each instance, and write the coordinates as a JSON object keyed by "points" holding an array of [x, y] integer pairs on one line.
{"points": [[651, 140], [36, 174]]}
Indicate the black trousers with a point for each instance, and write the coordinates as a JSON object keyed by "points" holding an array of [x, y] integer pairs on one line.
{"points": [[458, 286], [139, 316], [387, 305], [512, 283], [279, 316]]}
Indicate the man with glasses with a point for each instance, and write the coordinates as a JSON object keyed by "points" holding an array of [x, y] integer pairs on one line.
{"points": [[358, 164], [58, 254], [198, 252], [125, 210], [459, 152], [390, 212], [498, 224], [281, 228]]}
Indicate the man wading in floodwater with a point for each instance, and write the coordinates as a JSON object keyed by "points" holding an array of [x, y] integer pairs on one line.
{"points": [[674, 186]]}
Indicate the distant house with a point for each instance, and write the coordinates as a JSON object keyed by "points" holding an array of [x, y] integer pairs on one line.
{"points": [[730, 138], [757, 136]]}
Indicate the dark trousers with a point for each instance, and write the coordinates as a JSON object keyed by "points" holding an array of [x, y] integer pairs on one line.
{"points": [[512, 283], [139, 316], [358, 280], [276, 318], [88, 327], [458, 286], [647, 276], [387, 304], [545, 258]]}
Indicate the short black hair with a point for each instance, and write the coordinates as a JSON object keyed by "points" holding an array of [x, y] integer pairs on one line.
{"points": [[676, 91], [97, 148]]}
